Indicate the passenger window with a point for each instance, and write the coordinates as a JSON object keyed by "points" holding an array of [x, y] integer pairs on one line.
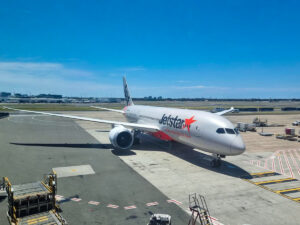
{"points": [[220, 131], [229, 131]]}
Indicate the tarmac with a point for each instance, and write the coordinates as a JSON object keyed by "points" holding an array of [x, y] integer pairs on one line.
{"points": [[99, 185], [233, 194], [102, 190]]}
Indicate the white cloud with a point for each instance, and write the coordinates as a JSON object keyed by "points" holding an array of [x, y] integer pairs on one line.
{"points": [[190, 87], [45, 69], [56, 78], [34, 78], [183, 81]]}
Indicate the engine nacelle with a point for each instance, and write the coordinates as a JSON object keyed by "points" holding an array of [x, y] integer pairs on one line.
{"points": [[121, 138]]}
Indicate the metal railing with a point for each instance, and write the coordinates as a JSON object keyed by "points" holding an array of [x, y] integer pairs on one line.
{"points": [[199, 210]]}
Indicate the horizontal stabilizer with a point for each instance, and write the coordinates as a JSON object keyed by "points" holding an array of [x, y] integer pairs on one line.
{"points": [[225, 111]]}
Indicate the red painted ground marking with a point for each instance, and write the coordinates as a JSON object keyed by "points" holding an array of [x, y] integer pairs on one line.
{"points": [[112, 206], [174, 201], [266, 164], [288, 164], [93, 203], [215, 221], [294, 161], [76, 199], [296, 152], [152, 203], [280, 164], [130, 207]]}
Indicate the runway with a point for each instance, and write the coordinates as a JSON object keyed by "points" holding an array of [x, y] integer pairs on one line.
{"points": [[114, 194]]}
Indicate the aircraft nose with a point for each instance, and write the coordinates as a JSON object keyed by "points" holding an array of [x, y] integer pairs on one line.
{"points": [[237, 146]]}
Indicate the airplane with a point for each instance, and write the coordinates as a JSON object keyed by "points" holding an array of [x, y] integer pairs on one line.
{"points": [[210, 132]]}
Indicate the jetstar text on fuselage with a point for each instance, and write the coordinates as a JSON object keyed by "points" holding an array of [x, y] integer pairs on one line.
{"points": [[176, 122]]}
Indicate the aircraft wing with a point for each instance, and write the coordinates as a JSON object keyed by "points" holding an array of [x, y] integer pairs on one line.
{"points": [[113, 110], [144, 127], [225, 111]]}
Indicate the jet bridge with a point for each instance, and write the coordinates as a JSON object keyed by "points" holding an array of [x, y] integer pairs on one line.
{"points": [[33, 203]]}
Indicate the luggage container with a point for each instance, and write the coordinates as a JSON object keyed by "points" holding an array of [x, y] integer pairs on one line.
{"points": [[33, 203], [251, 127], [241, 126], [290, 131]]}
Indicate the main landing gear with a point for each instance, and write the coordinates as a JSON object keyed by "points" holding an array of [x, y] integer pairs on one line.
{"points": [[216, 162], [137, 137]]}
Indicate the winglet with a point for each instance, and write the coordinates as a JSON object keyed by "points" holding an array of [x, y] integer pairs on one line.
{"points": [[126, 93]]}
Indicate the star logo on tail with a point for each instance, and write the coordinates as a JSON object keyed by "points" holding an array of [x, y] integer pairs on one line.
{"points": [[188, 123]]}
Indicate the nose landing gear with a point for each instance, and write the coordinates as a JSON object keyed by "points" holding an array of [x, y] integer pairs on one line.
{"points": [[216, 161]]}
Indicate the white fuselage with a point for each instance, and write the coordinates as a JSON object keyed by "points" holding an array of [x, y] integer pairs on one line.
{"points": [[203, 130]]}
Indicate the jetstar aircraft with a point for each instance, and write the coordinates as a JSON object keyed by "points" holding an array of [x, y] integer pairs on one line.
{"points": [[210, 132]]}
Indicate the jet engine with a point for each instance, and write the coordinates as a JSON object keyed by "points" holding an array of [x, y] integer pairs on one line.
{"points": [[121, 138]]}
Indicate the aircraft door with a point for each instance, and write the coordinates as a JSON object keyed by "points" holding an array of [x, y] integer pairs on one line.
{"points": [[197, 130]]}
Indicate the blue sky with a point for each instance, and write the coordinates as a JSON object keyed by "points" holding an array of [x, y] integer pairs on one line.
{"points": [[230, 49]]}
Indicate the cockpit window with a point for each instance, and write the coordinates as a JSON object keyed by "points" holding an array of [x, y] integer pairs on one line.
{"points": [[220, 131], [229, 131], [236, 130]]}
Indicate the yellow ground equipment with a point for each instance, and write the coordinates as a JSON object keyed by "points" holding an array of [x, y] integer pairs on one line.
{"points": [[33, 203]]}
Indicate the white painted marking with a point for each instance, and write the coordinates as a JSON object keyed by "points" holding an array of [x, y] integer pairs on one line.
{"points": [[93, 203], [71, 171], [174, 201], [152, 203], [76, 199], [112, 206], [130, 207]]}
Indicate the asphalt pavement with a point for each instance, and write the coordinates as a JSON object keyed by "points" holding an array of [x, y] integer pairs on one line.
{"points": [[32, 145]]}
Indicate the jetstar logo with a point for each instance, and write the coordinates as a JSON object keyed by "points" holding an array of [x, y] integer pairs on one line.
{"points": [[176, 122], [188, 123]]}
